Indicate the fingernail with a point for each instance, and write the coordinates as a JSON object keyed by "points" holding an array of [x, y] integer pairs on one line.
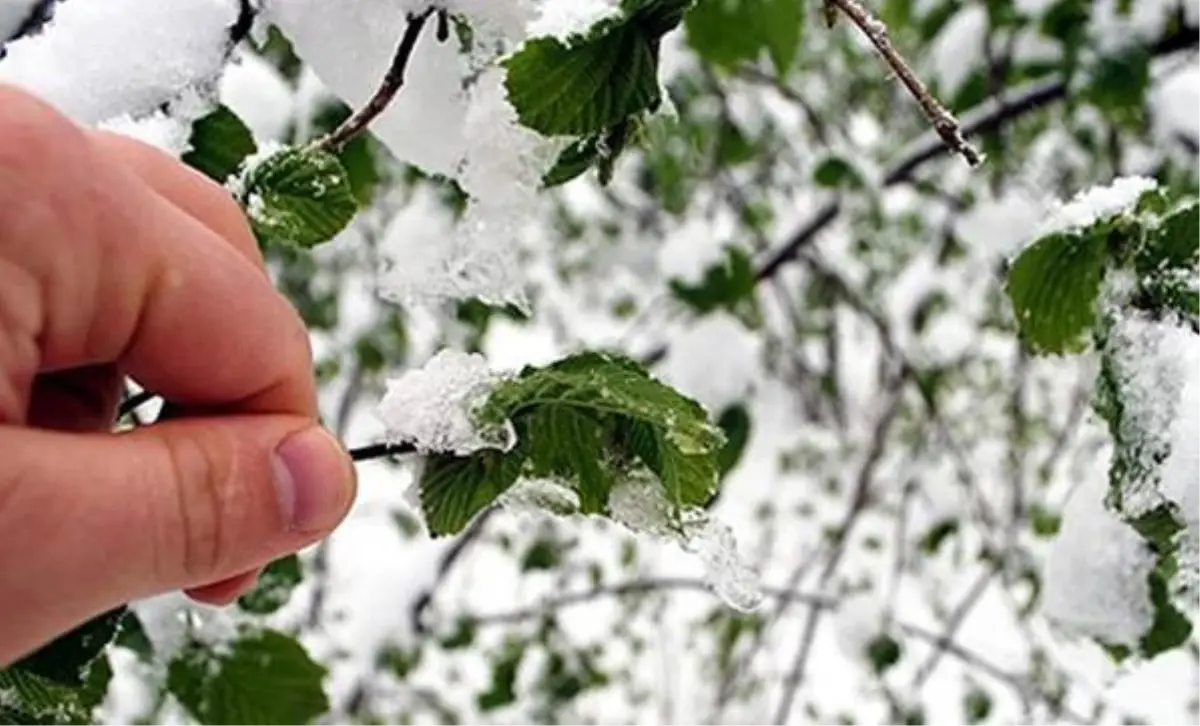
{"points": [[314, 480]]}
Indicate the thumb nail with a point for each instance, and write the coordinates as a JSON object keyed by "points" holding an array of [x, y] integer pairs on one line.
{"points": [[314, 480]]}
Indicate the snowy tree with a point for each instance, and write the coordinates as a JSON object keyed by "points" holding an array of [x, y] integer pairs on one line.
{"points": [[716, 361]]}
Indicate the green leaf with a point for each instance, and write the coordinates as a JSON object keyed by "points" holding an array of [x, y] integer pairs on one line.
{"points": [[736, 425], [1170, 628], [265, 678], [1044, 522], [937, 535], [504, 678], [274, 586], [455, 489], [582, 422], [1118, 81], [132, 635], [27, 698], [883, 652], [977, 705], [774, 26], [727, 285], [573, 161], [588, 86], [298, 197], [834, 172], [219, 143], [542, 554], [1053, 286], [67, 658], [1175, 242]]}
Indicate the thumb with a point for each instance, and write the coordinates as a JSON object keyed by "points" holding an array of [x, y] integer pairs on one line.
{"points": [[89, 521]]}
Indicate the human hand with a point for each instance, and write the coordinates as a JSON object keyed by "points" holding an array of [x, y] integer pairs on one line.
{"points": [[117, 260]]}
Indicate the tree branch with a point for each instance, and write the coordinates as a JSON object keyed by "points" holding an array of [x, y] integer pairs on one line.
{"points": [[392, 81], [449, 558], [943, 121], [985, 118]]}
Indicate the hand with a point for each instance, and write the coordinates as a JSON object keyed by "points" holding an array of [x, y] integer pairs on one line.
{"points": [[117, 260]]}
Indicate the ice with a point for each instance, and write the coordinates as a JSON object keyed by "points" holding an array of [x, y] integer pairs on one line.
{"points": [[1096, 576], [104, 60], [640, 504], [1096, 204], [431, 407]]}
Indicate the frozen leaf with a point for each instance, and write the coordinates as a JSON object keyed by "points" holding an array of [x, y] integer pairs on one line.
{"points": [[68, 658]]}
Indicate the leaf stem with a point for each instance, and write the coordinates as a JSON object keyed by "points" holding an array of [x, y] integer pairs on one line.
{"points": [[380, 451], [358, 122], [944, 123]]}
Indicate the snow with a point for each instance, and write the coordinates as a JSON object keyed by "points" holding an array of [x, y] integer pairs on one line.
{"points": [[102, 60], [431, 407], [715, 361], [1097, 204], [254, 90], [166, 132], [958, 49], [1096, 576], [860, 620], [1181, 472]]}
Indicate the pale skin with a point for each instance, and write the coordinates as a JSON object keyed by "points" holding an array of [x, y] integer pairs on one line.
{"points": [[117, 260]]}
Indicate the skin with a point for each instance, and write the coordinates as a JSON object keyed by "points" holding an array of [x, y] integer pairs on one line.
{"points": [[117, 260]]}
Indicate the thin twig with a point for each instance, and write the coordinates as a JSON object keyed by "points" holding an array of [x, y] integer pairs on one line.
{"points": [[944, 123], [634, 587], [449, 558], [381, 450], [388, 88], [953, 623], [134, 402], [858, 503]]}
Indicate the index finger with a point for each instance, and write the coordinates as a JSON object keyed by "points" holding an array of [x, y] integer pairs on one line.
{"points": [[118, 274]]}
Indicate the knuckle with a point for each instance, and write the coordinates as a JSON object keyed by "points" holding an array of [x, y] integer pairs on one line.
{"points": [[33, 135], [203, 471]]}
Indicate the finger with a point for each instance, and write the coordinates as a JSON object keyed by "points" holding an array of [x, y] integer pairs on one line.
{"points": [[186, 188], [94, 520], [226, 591], [117, 274]]}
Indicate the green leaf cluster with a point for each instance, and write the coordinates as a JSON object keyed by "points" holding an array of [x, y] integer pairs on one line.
{"points": [[586, 421]]}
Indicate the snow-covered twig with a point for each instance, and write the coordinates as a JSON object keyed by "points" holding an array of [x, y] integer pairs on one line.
{"points": [[388, 88], [944, 123]]}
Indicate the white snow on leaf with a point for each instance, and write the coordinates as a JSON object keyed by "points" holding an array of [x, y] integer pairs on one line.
{"points": [[564, 18], [103, 60], [1096, 576], [1097, 204], [535, 497], [1181, 473], [640, 504], [431, 407]]}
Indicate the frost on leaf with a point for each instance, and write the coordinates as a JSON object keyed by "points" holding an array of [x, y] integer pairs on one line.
{"points": [[640, 504], [534, 496], [1097, 575], [432, 407]]}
